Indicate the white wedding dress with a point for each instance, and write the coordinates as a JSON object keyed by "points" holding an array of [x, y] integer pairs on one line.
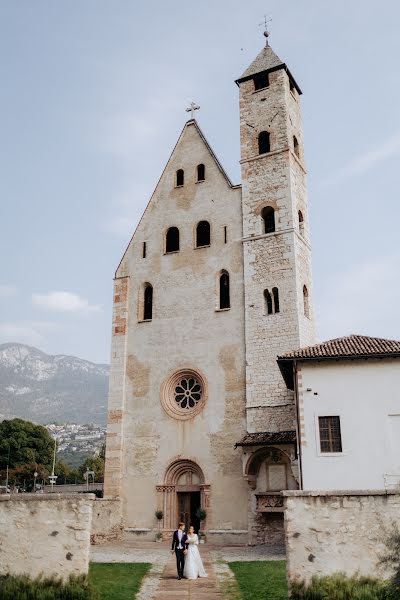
{"points": [[193, 563]]}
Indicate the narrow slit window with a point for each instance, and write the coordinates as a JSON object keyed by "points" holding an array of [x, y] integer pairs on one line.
{"points": [[263, 142], [148, 302], [225, 234], [268, 302], [144, 250], [172, 240], [224, 293], [202, 234], [261, 81], [180, 177], [330, 436], [268, 216], [275, 294], [306, 301], [301, 222], [201, 172], [296, 146]]}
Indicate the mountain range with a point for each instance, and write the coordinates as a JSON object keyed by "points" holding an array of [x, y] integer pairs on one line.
{"points": [[43, 388]]}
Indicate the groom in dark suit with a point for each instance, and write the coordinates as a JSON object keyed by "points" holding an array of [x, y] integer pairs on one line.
{"points": [[178, 546]]}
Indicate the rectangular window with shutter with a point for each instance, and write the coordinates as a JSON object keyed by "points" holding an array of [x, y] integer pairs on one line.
{"points": [[329, 434]]}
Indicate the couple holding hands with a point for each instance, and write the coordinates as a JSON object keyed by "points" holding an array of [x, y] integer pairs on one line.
{"points": [[188, 560]]}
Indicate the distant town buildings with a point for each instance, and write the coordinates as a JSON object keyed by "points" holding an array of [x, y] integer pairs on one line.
{"points": [[73, 437]]}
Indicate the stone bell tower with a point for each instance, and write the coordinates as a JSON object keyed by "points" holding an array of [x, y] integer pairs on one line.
{"points": [[276, 246]]}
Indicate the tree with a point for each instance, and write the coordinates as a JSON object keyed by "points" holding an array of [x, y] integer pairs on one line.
{"points": [[25, 443], [95, 464]]}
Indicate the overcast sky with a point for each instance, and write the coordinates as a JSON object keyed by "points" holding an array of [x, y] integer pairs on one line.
{"points": [[92, 100]]}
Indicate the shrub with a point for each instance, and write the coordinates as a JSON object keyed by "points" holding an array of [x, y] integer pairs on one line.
{"points": [[159, 514], [391, 558], [201, 514], [46, 588], [340, 587]]}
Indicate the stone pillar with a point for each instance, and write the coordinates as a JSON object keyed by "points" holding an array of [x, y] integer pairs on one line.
{"points": [[116, 398]]}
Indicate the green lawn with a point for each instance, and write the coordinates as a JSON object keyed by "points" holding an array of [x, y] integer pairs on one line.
{"points": [[261, 580], [117, 581]]}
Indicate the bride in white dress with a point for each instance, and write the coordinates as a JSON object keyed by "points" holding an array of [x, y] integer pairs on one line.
{"points": [[193, 563]]}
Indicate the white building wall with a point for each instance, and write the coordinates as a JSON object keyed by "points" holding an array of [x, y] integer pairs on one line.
{"points": [[366, 397]]}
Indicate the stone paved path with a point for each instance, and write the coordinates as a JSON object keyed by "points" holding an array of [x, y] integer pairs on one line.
{"points": [[200, 589]]}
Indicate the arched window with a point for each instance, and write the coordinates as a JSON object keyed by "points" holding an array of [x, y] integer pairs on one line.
{"points": [[306, 302], [268, 302], [275, 294], [224, 295], [148, 302], [301, 222], [263, 142], [271, 301], [268, 216], [201, 172], [296, 147], [172, 240], [203, 234], [180, 177]]}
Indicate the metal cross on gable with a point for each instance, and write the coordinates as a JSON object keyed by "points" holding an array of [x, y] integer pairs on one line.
{"points": [[192, 108]]}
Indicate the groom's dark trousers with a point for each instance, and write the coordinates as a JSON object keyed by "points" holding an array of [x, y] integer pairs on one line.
{"points": [[180, 561]]}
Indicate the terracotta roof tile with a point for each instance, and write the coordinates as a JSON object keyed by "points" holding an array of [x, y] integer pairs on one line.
{"points": [[267, 438], [347, 347]]}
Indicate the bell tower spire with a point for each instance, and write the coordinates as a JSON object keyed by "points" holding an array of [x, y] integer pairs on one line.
{"points": [[276, 246]]}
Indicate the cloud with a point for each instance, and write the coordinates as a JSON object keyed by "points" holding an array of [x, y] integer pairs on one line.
{"points": [[368, 160], [26, 332], [6, 291], [64, 302], [364, 299]]}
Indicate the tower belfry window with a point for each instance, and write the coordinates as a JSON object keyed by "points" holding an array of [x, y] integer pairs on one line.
{"points": [[202, 234], [264, 142], [180, 177], [261, 81], [172, 240], [201, 172], [268, 216]]}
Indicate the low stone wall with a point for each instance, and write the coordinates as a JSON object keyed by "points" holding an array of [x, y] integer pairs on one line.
{"points": [[326, 532], [45, 533], [106, 521]]}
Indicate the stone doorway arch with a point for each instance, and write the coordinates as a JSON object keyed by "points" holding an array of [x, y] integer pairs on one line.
{"points": [[183, 477]]}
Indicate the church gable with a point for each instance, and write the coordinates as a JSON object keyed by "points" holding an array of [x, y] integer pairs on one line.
{"points": [[193, 181]]}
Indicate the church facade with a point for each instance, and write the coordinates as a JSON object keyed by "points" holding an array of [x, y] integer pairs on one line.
{"points": [[214, 285]]}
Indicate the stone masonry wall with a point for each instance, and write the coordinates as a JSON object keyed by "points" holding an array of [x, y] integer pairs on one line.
{"points": [[280, 259], [47, 534], [106, 520], [326, 532]]}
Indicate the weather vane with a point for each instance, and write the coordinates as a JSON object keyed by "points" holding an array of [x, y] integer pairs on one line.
{"points": [[265, 24], [193, 106]]}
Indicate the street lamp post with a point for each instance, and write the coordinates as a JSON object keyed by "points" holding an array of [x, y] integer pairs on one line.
{"points": [[52, 477], [34, 481]]}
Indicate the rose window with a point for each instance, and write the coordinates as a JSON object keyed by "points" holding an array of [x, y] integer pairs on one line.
{"points": [[188, 392], [184, 394]]}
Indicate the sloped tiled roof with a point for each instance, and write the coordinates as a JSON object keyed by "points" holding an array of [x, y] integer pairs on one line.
{"points": [[267, 438], [351, 346]]}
